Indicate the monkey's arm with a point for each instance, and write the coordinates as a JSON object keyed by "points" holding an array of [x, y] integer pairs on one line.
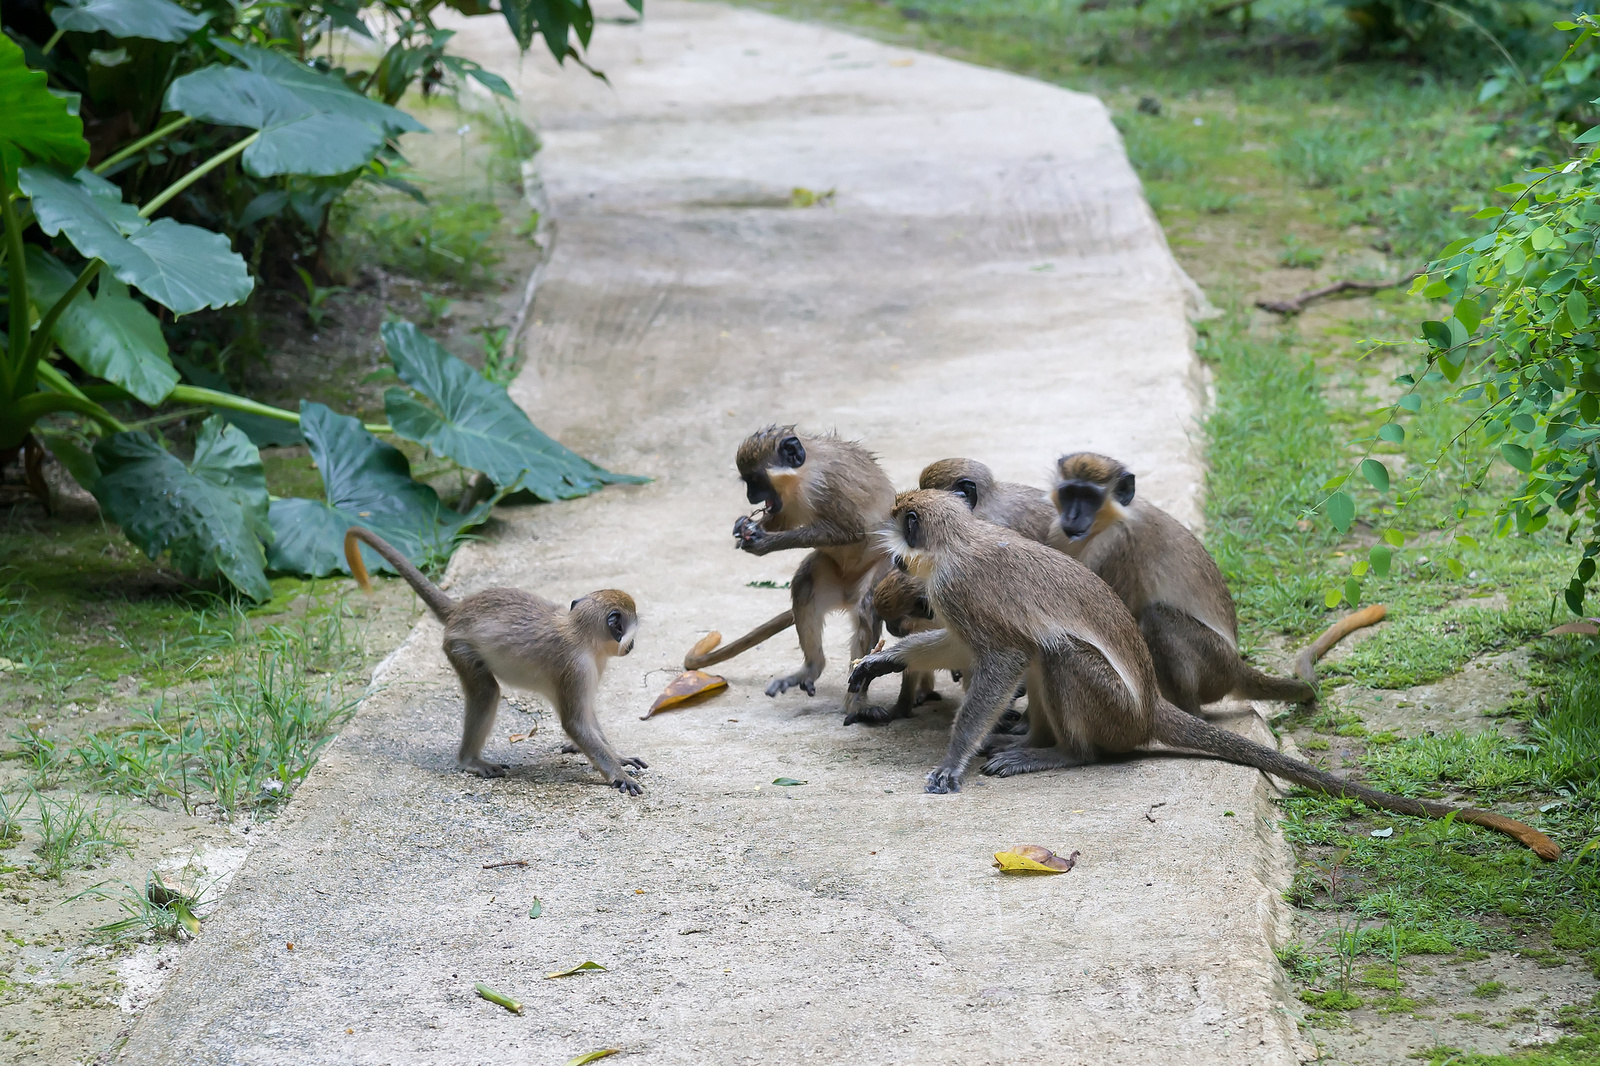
{"points": [[994, 685], [749, 536], [936, 649]]}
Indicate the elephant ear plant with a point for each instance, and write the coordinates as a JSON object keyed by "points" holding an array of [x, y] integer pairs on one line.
{"points": [[72, 356]]}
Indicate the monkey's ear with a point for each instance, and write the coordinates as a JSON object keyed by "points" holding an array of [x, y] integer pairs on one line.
{"points": [[967, 489], [1124, 490], [575, 603], [791, 452]]}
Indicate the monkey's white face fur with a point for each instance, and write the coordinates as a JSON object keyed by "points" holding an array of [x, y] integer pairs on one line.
{"points": [[914, 561]]}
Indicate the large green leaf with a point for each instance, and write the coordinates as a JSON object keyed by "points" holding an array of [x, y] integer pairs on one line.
{"points": [[366, 482], [34, 123], [207, 517], [111, 335], [478, 425], [155, 20], [183, 268], [311, 123]]}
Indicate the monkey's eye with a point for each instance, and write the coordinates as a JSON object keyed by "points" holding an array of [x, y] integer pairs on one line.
{"points": [[614, 625], [913, 527], [791, 452], [967, 490]]}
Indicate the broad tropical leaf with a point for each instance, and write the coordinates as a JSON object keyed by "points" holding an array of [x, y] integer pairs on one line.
{"points": [[366, 482], [311, 123], [111, 335], [183, 268], [34, 124], [205, 517], [155, 20], [478, 425]]}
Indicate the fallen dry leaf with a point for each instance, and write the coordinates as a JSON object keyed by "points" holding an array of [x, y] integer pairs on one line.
{"points": [[1032, 859], [518, 738], [591, 1056], [687, 687], [582, 967]]}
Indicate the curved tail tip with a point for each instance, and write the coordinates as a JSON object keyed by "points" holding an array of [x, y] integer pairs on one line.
{"points": [[702, 648]]}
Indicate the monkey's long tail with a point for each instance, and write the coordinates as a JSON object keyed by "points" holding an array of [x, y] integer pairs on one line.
{"points": [[1181, 730], [708, 653], [1305, 664], [432, 595]]}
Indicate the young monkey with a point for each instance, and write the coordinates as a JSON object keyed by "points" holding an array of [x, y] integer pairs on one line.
{"points": [[1005, 503], [1167, 579], [899, 603], [504, 635], [1018, 609], [826, 494]]}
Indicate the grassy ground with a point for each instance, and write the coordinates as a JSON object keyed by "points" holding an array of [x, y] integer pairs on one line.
{"points": [[150, 725], [1274, 168]]}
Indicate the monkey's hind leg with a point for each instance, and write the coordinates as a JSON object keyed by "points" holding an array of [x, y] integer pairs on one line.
{"points": [[482, 694], [863, 638], [1194, 666], [813, 591]]}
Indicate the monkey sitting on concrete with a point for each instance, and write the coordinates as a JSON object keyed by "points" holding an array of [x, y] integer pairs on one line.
{"points": [[1020, 609], [503, 635], [899, 604], [1005, 503], [1167, 579], [826, 494]]}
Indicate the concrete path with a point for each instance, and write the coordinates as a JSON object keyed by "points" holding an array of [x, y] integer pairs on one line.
{"points": [[986, 281]]}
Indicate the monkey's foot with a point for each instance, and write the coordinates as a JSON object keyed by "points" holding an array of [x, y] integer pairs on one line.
{"points": [[569, 748], [999, 741], [943, 780], [876, 715], [483, 768], [626, 785], [1020, 760], [801, 680], [1012, 723], [634, 761]]}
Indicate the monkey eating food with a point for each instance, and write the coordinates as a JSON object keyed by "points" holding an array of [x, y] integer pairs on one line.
{"points": [[1169, 582], [507, 636], [826, 494], [1019, 609]]}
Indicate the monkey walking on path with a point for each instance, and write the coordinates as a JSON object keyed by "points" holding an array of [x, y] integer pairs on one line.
{"points": [[1018, 609], [1172, 586], [826, 494], [504, 635]]}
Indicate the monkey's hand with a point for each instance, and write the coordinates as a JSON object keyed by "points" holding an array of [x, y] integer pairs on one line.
{"points": [[877, 715], [942, 780], [750, 537], [873, 666], [626, 785]]}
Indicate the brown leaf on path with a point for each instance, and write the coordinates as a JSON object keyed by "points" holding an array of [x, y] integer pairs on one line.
{"points": [[1033, 859], [686, 688]]}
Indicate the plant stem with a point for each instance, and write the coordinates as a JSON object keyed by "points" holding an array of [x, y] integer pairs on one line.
{"points": [[196, 174], [17, 339], [35, 406], [58, 381], [40, 343], [170, 416], [228, 401], [51, 43], [142, 142]]}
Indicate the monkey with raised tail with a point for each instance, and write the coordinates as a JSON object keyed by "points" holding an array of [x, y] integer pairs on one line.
{"points": [[507, 636], [826, 494], [1021, 609], [1005, 503], [1169, 582]]}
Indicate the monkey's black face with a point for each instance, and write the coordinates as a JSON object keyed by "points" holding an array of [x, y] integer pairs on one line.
{"points": [[968, 491], [758, 489], [1077, 503]]}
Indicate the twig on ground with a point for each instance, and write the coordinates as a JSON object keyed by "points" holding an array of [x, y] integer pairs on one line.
{"points": [[1298, 304], [508, 862], [1150, 814]]}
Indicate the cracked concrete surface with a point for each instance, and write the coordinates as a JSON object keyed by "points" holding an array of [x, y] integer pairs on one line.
{"points": [[986, 281]]}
